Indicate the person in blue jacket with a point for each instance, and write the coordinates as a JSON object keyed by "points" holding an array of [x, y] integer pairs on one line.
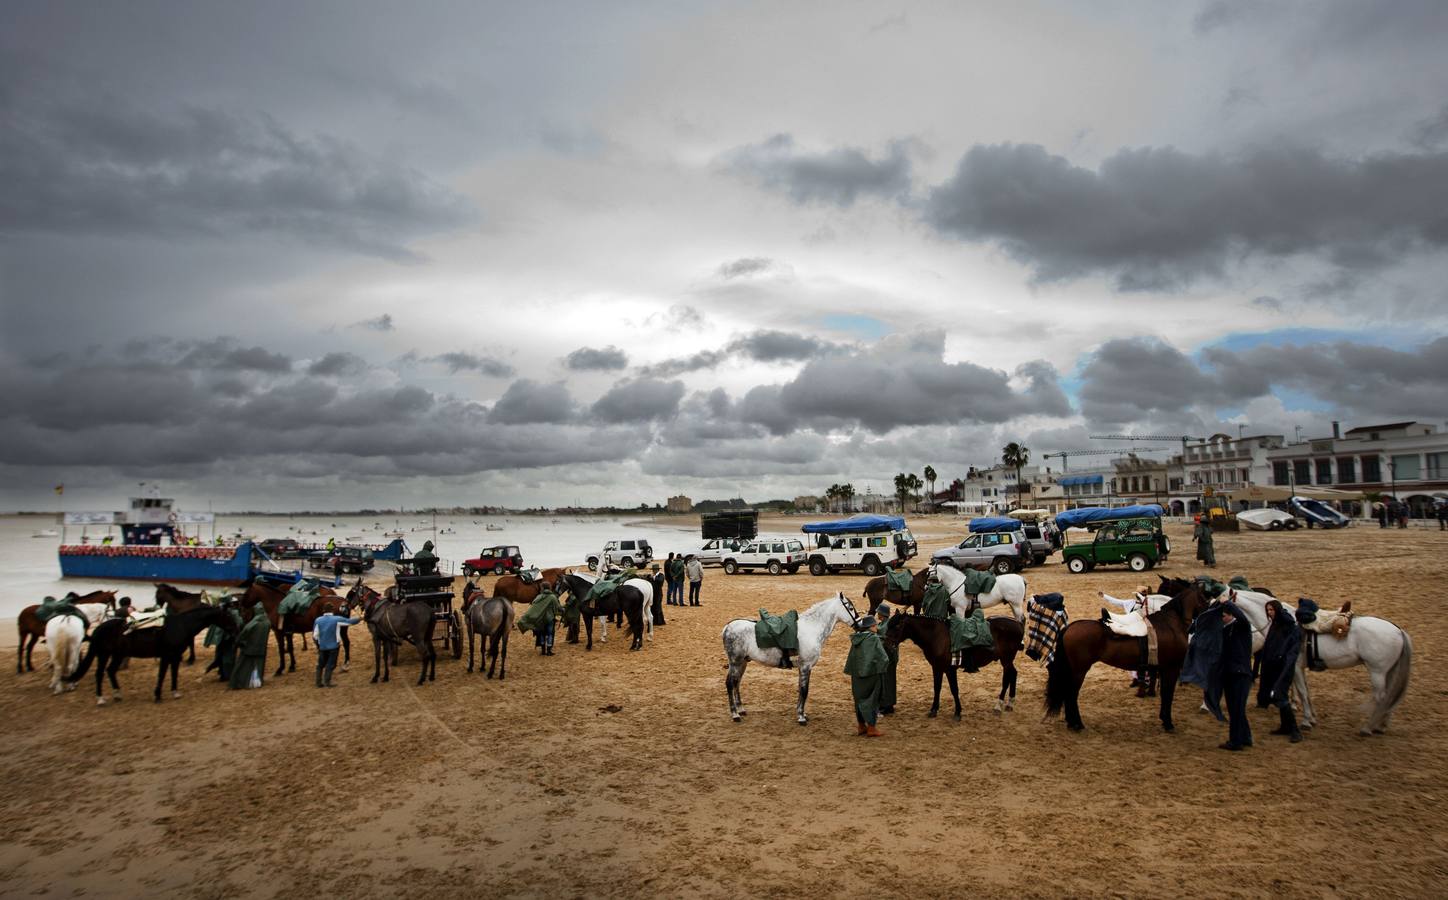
{"points": [[324, 630], [1235, 667]]}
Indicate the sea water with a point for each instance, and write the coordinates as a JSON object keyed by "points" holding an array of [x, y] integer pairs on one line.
{"points": [[30, 570]]}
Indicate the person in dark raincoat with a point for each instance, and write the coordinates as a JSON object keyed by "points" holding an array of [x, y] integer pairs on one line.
{"points": [[866, 665], [1235, 666], [1202, 534], [887, 680], [224, 643], [540, 618], [251, 644], [425, 561], [1279, 661]]}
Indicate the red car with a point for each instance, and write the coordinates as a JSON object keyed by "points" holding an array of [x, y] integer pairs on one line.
{"points": [[494, 561]]}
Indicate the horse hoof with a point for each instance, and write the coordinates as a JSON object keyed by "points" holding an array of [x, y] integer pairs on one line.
{"points": [[930, 715], [804, 721], [736, 719], [117, 698], [957, 717], [743, 712], [999, 709], [101, 701], [1169, 728], [1076, 727]]}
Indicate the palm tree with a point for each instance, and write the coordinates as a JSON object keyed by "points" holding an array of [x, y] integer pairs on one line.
{"points": [[905, 487], [930, 479], [832, 493], [847, 494], [1016, 455], [913, 484]]}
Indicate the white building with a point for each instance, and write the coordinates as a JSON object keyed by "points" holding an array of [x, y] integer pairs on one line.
{"points": [[1406, 460]]}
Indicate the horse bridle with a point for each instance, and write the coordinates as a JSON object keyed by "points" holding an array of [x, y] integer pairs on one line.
{"points": [[849, 608]]}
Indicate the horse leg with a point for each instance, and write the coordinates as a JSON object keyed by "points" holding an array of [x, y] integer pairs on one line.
{"points": [[503, 666], [281, 653], [1073, 698], [803, 694], [30, 649], [160, 677], [954, 690], [470, 644], [346, 649], [935, 673], [292, 649], [175, 671], [588, 626], [731, 688], [102, 661], [1378, 678], [376, 658], [1167, 677], [1304, 696], [190, 654]]}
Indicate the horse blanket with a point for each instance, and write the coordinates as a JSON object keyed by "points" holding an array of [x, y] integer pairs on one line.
{"points": [[972, 631], [780, 632], [978, 582], [937, 601], [1045, 620], [300, 598], [898, 580], [50, 608], [605, 586]]}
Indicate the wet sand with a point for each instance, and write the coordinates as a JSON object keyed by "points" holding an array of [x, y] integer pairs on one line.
{"points": [[530, 786]]}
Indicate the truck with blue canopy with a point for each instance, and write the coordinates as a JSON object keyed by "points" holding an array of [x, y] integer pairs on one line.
{"points": [[867, 543], [1125, 534]]}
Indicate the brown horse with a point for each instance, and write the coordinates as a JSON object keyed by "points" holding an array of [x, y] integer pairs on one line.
{"points": [[488, 619], [1086, 642], [391, 623], [28, 626], [511, 587], [296, 623], [876, 592], [932, 636], [175, 601]]}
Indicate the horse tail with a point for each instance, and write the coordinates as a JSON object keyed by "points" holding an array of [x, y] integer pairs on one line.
{"points": [[1058, 678], [1398, 675]]}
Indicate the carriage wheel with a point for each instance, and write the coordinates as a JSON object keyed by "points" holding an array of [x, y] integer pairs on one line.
{"points": [[456, 634]]}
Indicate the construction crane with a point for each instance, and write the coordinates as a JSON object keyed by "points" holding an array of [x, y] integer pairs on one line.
{"points": [[1065, 455], [1184, 438]]}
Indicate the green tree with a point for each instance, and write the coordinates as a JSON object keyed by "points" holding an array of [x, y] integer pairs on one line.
{"points": [[906, 488], [847, 494], [930, 480], [1016, 455]]}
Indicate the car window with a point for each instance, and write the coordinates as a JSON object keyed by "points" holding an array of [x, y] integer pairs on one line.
{"points": [[876, 541], [972, 541], [626, 545], [856, 543], [777, 548], [795, 546], [711, 545]]}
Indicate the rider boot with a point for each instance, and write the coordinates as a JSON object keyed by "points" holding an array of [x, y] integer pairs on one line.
{"points": [[872, 731], [1289, 724]]}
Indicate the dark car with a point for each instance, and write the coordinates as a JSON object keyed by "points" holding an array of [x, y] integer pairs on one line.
{"points": [[280, 548], [494, 561], [355, 560]]}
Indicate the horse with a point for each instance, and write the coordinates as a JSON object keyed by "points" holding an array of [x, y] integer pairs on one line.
{"points": [[1009, 589], [877, 591], [814, 628], [932, 636], [285, 627], [490, 618], [29, 626], [63, 635], [175, 600], [391, 623], [1085, 642], [649, 588], [513, 588], [1377, 644], [111, 644], [628, 598]]}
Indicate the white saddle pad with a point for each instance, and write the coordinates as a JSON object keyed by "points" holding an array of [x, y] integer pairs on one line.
{"points": [[1129, 625]]}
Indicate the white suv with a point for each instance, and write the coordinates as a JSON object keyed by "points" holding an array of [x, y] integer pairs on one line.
{"points": [[869, 552], [624, 553], [711, 552], [776, 554]]}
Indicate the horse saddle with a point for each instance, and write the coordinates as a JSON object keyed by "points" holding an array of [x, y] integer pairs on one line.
{"points": [[1313, 618], [777, 632], [148, 619], [530, 576], [899, 580], [1132, 624]]}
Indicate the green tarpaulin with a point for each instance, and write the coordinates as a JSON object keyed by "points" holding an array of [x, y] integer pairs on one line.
{"points": [[972, 631], [777, 631], [300, 598], [898, 580], [937, 601], [541, 611], [51, 607], [977, 582]]}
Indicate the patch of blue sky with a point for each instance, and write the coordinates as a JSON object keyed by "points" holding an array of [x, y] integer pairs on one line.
{"points": [[866, 327], [1396, 338]]}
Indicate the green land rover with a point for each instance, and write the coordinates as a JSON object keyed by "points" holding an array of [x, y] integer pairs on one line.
{"points": [[1138, 542]]}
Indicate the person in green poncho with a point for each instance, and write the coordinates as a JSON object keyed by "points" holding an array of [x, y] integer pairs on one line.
{"points": [[887, 681], [1202, 534], [224, 643], [540, 618], [251, 646], [866, 666], [424, 561], [937, 601]]}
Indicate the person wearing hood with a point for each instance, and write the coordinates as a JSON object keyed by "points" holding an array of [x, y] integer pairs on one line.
{"points": [[1202, 534], [225, 644], [540, 618], [1235, 667], [887, 680], [251, 644], [866, 665], [425, 561], [1279, 661]]}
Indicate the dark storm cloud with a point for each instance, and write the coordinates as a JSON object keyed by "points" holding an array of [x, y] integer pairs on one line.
{"points": [[838, 176], [95, 164], [639, 400], [596, 359], [527, 402], [748, 265], [338, 364], [1160, 218], [1148, 381], [381, 323], [765, 345], [462, 361]]}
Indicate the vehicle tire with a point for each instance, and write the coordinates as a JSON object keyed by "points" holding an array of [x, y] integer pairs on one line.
{"points": [[1076, 565], [817, 566], [467, 571], [731, 567], [1138, 562], [1039, 559], [870, 565], [774, 567], [627, 562], [792, 569], [1003, 565], [1291, 526], [1274, 526], [593, 562]]}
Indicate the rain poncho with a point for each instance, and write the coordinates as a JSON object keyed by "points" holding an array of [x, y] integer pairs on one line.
{"points": [[300, 598], [251, 646], [970, 632], [898, 579], [544, 609], [866, 665], [937, 601]]}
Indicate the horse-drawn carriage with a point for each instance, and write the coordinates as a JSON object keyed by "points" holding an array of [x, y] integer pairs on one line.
{"points": [[418, 579]]}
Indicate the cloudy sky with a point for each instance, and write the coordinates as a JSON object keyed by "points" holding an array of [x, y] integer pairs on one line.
{"points": [[291, 255]]}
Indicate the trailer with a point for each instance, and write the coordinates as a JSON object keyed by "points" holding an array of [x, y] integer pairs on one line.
{"points": [[1317, 513]]}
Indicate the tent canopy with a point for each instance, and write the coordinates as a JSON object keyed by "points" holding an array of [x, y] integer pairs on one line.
{"points": [[1079, 518], [856, 525]]}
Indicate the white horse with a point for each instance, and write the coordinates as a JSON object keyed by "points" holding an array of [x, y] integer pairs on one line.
{"points": [[1009, 589], [1384, 648], [63, 635], [814, 627], [645, 587]]}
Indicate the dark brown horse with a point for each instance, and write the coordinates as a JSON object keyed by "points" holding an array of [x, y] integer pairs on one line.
{"points": [[511, 587], [111, 644], [932, 636], [175, 601], [1086, 642], [31, 629], [391, 623], [877, 592], [295, 623]]}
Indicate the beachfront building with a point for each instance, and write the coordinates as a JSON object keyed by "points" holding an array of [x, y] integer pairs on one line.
{"points": [[1226, 463], [1406, 460], [679, 504]]}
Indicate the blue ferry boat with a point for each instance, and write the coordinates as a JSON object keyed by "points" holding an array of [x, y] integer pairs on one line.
{"points": [[151, 547]]}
